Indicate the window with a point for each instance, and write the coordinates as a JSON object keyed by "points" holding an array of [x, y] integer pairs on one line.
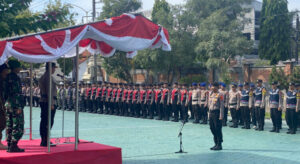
{"points": [[247, 35], [257, 17], [257, 33]]}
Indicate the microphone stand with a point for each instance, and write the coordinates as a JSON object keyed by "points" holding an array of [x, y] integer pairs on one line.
{"points": [[180, 136]]}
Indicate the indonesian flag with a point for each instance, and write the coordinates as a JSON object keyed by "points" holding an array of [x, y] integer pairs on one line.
{"points": [[128, 33]]}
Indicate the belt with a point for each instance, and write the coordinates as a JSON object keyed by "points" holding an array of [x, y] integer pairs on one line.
{"points": [[233, 104], [203, 100]]}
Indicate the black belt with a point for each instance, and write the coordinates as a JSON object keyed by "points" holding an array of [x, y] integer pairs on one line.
{"points": [[203, 100], [233, 104]]}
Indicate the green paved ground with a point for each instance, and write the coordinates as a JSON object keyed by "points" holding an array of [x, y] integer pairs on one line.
{"points": [[153, 142]]}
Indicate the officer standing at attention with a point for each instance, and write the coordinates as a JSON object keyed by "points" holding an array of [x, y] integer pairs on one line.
{"points": [[225, 94], [203, 103], [259, 101], [216, 114], [195, 103], [44, 86], [245, 105], [14, 106], [291, 111], [4, 71], [275, 104], [234, 104]]}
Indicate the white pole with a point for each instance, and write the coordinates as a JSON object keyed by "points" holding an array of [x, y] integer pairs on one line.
{"points": [[49, 105], [30, 115], [77, 99]]}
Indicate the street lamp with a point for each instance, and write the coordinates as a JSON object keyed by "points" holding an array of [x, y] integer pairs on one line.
{"points": [[86, 12]]}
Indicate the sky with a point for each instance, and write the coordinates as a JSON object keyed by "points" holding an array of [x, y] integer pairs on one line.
{"points": [[38, 5]]}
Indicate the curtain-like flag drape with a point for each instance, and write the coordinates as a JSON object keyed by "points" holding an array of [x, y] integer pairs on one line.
{"points": [[128, 33]]}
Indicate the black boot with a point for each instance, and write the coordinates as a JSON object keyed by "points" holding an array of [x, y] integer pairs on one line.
{"points": [[273, 130], [277, 130], [13, 148], [213, 148], [219, 146]]}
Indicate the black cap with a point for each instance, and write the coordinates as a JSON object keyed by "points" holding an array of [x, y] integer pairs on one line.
{"points": [[14, 64], [246, 83], [274, 83], [291, 84], [259, 81], [52, 64], [215, 84]]}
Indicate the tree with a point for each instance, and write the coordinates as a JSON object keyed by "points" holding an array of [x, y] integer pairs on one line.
{"points": [[277, 74], [275, 31], [220, 36], [119, 66], [177, 63], [16, 18], [295, 76]]}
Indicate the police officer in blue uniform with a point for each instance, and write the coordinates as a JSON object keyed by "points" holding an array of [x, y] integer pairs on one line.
{"points": [[291, 111]]}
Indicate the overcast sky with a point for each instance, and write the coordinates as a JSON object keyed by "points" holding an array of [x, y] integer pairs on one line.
{"points": [[147, 5]]}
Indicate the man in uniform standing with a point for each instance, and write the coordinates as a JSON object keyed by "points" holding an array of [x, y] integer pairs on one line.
{"points": [[292, 100], [203, 103], [195, 103], [259, 101], [216, 115], [149, 101], [174, 101], [233, 104], [245, 105], [164, 112], [224, 92], [275, 104], [4, 71], [14, 106], [157, 93], [44, 86], [183, 96]]}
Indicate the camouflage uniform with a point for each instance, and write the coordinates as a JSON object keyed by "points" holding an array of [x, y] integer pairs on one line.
{"points": [[2, 108], [14, 121]]}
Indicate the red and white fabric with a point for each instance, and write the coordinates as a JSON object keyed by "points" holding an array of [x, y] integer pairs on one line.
{"points": [[129, 33]]}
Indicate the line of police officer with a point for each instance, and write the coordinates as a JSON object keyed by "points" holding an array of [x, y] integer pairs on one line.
{"points": [[246, 102]]}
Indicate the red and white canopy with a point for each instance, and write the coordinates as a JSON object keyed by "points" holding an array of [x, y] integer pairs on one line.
{"points": [[128, 33]]}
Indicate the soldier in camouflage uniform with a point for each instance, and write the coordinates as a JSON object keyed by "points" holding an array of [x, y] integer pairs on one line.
{"points": [[14, 106], [4, 70]]}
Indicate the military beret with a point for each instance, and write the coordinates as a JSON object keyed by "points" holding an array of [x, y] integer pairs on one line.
{"points": [[259, 81], [252, 85], [234, 84], [274, 83], [14, 64], [246, 83], [194, 84], [241, 85]]}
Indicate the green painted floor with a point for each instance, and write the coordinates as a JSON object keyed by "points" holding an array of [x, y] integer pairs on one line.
{"points": [[154, 142]]}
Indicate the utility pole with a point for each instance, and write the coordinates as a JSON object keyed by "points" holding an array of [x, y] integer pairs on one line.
{"points": [[297, 39], [95, 56]]}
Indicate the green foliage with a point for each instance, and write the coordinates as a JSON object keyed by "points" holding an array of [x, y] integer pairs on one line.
{"points": [[112, 8], [192, 79], [295, 76], [68, 65], [17, 19], [275, 31], [278, 75], [118, 65], [219, 36]]}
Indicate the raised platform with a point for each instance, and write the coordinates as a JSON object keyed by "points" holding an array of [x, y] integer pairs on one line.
{"points": [[87, 153]]}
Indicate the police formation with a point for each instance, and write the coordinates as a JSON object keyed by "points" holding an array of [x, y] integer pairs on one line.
{"points": [[200, 103]]}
